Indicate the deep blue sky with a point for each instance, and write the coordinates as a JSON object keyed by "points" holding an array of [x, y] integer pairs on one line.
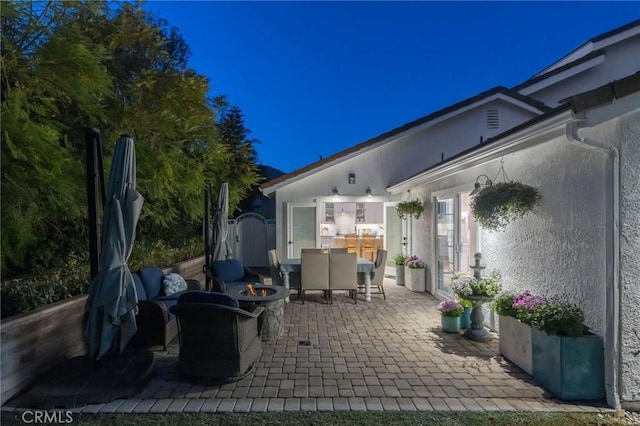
{"points": [[314, 78]]}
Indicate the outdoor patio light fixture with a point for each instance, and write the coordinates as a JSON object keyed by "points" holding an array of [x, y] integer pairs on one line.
{"points": [[352, 178], [368, 193], [478, 186], [335, 192]]}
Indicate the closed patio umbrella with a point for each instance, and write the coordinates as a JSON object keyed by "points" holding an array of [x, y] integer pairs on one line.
{"points": [[221, 248], [112, 297]]}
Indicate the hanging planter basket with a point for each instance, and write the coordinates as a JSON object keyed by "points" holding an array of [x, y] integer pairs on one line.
{"points": [[497, 205], [413, 208]]}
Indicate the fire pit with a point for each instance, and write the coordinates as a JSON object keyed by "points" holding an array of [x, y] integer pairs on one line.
{"points": [[271, 297]]}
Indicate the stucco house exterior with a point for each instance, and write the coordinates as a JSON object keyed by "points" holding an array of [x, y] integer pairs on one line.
{"points": [[573, 132]]}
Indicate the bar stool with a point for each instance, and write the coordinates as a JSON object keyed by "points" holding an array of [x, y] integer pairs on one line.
{"points": [[351, 241], [369, 247]]}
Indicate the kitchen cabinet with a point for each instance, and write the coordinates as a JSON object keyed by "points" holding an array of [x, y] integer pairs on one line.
{"points": [[328, 213], [373, 213], [360, 213]]}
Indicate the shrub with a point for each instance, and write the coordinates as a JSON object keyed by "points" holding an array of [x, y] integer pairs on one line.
{"points": [[399, 259]]}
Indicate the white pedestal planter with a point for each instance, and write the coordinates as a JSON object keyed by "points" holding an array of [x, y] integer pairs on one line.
{"points": [[414, 279], [515, 343]]}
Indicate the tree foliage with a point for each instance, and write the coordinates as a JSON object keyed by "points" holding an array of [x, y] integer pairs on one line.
{"points": [[70, 65]]}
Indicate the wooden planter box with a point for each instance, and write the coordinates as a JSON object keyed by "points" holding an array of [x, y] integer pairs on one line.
{"points": [[515, 343], [414, 279], [35, 341], [570, 368]]}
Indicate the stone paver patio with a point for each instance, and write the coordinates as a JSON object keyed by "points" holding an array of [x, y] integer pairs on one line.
{"points": [[384, 355]]}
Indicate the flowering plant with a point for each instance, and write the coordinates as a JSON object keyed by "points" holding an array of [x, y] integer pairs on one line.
{"points": [[414, 262], [465, 284], [525, 303], [450, 308]]}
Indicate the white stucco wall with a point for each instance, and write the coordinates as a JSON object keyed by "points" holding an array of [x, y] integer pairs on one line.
{"points": [[630, 256], [557, 250], [393, 162]]}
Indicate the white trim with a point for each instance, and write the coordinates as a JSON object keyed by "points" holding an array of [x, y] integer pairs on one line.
{"points": [[417, 128], [556, 78], [530, 136]]}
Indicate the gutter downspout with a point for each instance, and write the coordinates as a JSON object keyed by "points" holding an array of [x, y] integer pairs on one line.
{"points": [[612, 362]]}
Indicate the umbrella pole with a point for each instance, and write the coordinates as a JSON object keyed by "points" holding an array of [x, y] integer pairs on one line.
{"points": [[92, 138]]}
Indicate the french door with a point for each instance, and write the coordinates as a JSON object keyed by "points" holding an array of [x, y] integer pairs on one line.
{"points": [[395, 236], [302, 228], [457, 238]]}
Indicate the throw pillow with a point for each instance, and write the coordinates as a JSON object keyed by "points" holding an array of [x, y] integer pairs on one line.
{"points": [[173, 283]]}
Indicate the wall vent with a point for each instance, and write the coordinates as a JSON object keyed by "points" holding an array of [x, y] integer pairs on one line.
{"points": [[493, 119]]}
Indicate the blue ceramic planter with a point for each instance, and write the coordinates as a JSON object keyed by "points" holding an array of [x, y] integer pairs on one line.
{"points": [[450, 324], [465, 319], [570, 368]]}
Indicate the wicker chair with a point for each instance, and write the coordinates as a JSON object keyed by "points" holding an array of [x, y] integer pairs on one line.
{"points": [[218, 340]]}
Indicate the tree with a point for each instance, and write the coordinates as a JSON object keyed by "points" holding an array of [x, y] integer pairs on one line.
{"points": [[70, 65]]}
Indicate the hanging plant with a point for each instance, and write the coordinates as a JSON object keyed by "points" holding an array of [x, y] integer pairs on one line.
{"points": [[412, 208], [497, 205]]}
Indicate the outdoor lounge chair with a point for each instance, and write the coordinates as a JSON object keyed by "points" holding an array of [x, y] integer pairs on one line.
{"points": [[229, 273], [217, 339]]}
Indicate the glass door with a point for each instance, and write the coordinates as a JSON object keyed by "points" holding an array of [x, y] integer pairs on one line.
{"points": [[457, 238], [445, 242], [302, 229], [395, 236]]}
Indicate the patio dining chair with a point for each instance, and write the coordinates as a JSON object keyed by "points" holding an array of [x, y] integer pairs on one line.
{"points": [[343, 274], [314, 272], [274, 267], [377, 276]]}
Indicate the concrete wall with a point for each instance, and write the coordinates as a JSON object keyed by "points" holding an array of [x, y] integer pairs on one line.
{"points": [[630, 256]]}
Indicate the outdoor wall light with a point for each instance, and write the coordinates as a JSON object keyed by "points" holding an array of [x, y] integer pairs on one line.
{"points": [[478, 186], [368, 193], [335, 192], [352, 178]]}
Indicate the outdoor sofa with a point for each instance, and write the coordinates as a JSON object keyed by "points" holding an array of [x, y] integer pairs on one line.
{"points": [[157, 326]]}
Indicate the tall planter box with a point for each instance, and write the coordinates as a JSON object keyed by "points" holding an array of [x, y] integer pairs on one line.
{"points": [[570, 368], [414, 279], [400, 274], [515, 343]]}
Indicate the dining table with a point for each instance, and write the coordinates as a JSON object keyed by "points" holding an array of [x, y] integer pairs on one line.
{"points": [[364, 266]]}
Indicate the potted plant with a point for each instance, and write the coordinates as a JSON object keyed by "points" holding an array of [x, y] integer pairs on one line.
{"points": [[465, 318], [399, 261], [477, 290], [450, 312], [413, 208], [497, 205], [568, 360], [414, 273], [515, 343]]}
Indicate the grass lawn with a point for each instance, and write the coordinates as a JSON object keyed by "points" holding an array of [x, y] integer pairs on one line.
{"points": [[338, 418]]}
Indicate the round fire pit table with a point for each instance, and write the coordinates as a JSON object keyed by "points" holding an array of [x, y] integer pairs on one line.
{"points": [[271, 297]]}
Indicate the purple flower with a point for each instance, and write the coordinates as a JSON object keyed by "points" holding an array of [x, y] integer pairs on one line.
{"points": [[449, 305], [527, 301]]}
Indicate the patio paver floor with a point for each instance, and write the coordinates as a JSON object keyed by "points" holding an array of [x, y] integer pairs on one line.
{"points": [[386, 355]]}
